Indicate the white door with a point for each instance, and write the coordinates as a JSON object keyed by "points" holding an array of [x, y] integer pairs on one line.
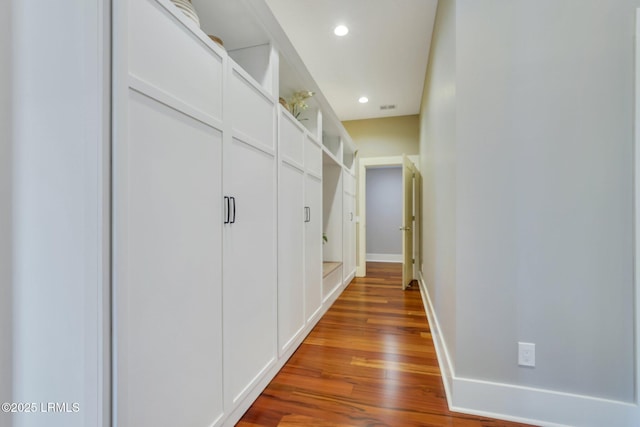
{"points": [[407, 221], [291, 226], [250, 289], [313, 246], [167, 268]]}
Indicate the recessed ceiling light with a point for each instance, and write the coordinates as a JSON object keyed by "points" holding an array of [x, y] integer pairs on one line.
{"points": [[340, 30], [363, 100]]}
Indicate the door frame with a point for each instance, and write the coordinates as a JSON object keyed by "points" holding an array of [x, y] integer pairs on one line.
{"points": [[361, 214]]}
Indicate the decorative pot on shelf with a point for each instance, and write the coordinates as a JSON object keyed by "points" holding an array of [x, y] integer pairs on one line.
{"points": [[284, 103], [187, 8], [217, 40]]}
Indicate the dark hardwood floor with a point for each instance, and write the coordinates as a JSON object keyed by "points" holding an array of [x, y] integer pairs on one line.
{"points": [[370, 361]]}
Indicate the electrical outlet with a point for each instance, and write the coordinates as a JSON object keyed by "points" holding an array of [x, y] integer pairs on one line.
{"points": [[527, 354]]}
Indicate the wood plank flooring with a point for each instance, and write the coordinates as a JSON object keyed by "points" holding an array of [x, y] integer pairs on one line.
{"points": [[370, 361]]}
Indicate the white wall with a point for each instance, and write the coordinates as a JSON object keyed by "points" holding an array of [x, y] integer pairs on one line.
{"points": [[59, 249], [534, 140], [384, 211], [5, 210]]}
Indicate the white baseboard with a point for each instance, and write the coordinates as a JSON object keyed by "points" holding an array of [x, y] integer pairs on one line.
{"points": [[523, 404], [349, 276], [444, 361], [384, 258], [540, 407]]}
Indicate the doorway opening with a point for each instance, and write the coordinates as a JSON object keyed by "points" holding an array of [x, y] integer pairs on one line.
{"points": [[392, 215], [384, 214]]}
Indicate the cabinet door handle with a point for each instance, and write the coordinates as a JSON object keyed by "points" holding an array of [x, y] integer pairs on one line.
{"points": [[351, 213], [233, 221], [307, 214], [227, 210]]}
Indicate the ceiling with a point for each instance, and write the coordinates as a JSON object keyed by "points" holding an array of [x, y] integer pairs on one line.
{"points": [[383, 57]]}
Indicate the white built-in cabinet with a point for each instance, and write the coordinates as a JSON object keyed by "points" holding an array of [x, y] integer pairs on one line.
{"points": [[217, 227], [300, 230]]}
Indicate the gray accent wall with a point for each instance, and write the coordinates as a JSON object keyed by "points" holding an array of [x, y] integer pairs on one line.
{"points": [[527, 159], [384, 210]]}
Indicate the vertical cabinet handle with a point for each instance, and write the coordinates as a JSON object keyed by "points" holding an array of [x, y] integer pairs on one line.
{"points": [[307, 214], [230, 210], [227, 210], [233, 220], [351, 213]]}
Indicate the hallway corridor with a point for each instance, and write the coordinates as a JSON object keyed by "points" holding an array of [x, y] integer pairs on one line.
{"points": [[370, 361]]}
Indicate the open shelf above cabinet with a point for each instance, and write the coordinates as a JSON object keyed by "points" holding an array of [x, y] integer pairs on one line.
{"points": [[254, 39]]}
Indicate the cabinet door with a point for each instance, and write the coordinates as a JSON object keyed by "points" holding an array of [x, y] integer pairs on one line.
{"points": [[291, 138], [167, 264], [313, 247], [291, 217], [312, 156], [249, 294], [249, 109], [168, 56]]}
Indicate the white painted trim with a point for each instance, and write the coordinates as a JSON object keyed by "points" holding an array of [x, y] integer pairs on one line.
{"points": [[252, 142], [384, 258], [248, 79], [331, 156], [335, 277], [348, 278], [538, 406], [165, 98], [444, 360], [97, 202]]}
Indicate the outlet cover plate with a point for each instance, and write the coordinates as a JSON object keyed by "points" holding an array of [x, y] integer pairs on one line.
{"points": [[527, 354]]}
